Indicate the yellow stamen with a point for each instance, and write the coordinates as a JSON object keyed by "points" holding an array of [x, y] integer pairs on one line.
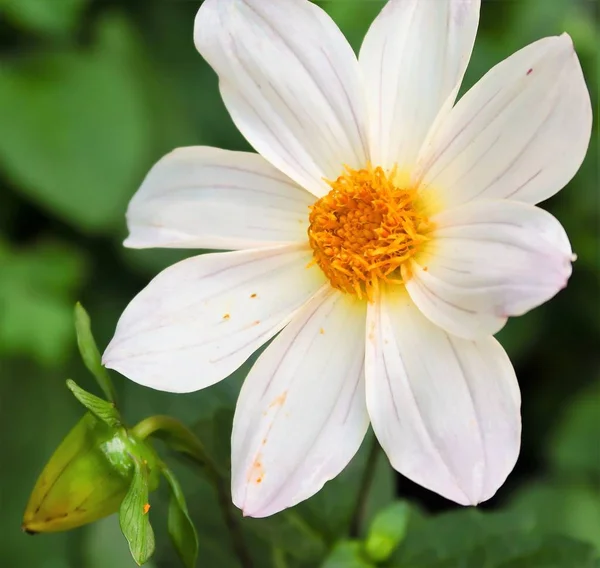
{"points": [[365, 229]]}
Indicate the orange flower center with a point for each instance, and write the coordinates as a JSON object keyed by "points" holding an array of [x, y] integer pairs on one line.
{"points": [[366, 229]]}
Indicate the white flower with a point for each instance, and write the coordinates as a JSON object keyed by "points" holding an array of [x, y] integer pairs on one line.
{"points": [[383, 231]]}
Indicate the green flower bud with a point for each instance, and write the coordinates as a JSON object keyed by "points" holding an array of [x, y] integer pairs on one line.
{"points": [[87, 477]]}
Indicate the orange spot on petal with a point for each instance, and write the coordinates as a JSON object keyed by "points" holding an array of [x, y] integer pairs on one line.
{"points": [[279, 400], [256, 472], [226, 316]]}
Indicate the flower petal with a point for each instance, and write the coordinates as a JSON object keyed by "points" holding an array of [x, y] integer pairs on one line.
{"points": [[520, 133], [203, 197], [291, 83], [301, 414], [201, 318], [445, 410], [489, 260], [413, 59]]}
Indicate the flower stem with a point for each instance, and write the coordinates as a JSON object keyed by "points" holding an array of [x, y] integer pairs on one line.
{"points": [[180, 438], [363, 491]]}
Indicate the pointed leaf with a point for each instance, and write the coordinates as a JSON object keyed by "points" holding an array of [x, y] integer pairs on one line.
{"points": [[181, 529], [90, 354], [99, 407], [347, 554], [133, 516], [387, 531]]}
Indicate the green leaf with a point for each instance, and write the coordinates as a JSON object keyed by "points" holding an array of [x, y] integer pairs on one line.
{"points": [[387, 531], [464, 534], [181, 529], [556, 552], [574, 448], [90, 354], [37, 288], [103, 545], [347, 554], [53, 17], [134, 518], [470, 538], [103, 410], [291, 534], [78, 134], [571, 509]]}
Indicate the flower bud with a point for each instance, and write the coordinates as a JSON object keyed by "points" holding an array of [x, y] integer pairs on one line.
{"points": [[87, 477]]}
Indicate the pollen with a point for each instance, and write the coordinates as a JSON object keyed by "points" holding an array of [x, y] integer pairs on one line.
{"points": [[365, 230]]}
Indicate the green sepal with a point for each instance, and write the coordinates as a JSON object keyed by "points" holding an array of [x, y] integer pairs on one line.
{"points": [[134, 516], [103, 410], [181, 528], [387, 531], [90, 354], [87, 477]]}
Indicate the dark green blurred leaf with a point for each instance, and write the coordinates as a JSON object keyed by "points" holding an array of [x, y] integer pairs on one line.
{"points": [[134, 518], [181, 529], [90, 354], [76, 127], [472, 539], [103, 410], [382, 491], [347, 554], [387, 531], [556, 552], [459, 534], [575, 447], [36, 289], [568, 509], [45, 16], [520, 334], [290, 533]]}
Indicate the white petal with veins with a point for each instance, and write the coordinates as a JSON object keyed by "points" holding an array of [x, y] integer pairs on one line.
{"points": [[301, 415], [445, 410], [203, 197], [489, 260], [413, 59], [520, 133], [201, 318], [291, 83]]}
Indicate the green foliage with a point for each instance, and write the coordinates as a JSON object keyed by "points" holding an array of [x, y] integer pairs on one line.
{"points": [[472, 539], [575, 449], [181, 529], [79, 127], [134, 516], [36, 295], [347, 554], [100, 408], [104, 546], [387, 531], [90, 354], [55, 17]]}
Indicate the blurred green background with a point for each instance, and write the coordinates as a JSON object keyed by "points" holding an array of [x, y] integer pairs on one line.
{"points": [[92, 93]]}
